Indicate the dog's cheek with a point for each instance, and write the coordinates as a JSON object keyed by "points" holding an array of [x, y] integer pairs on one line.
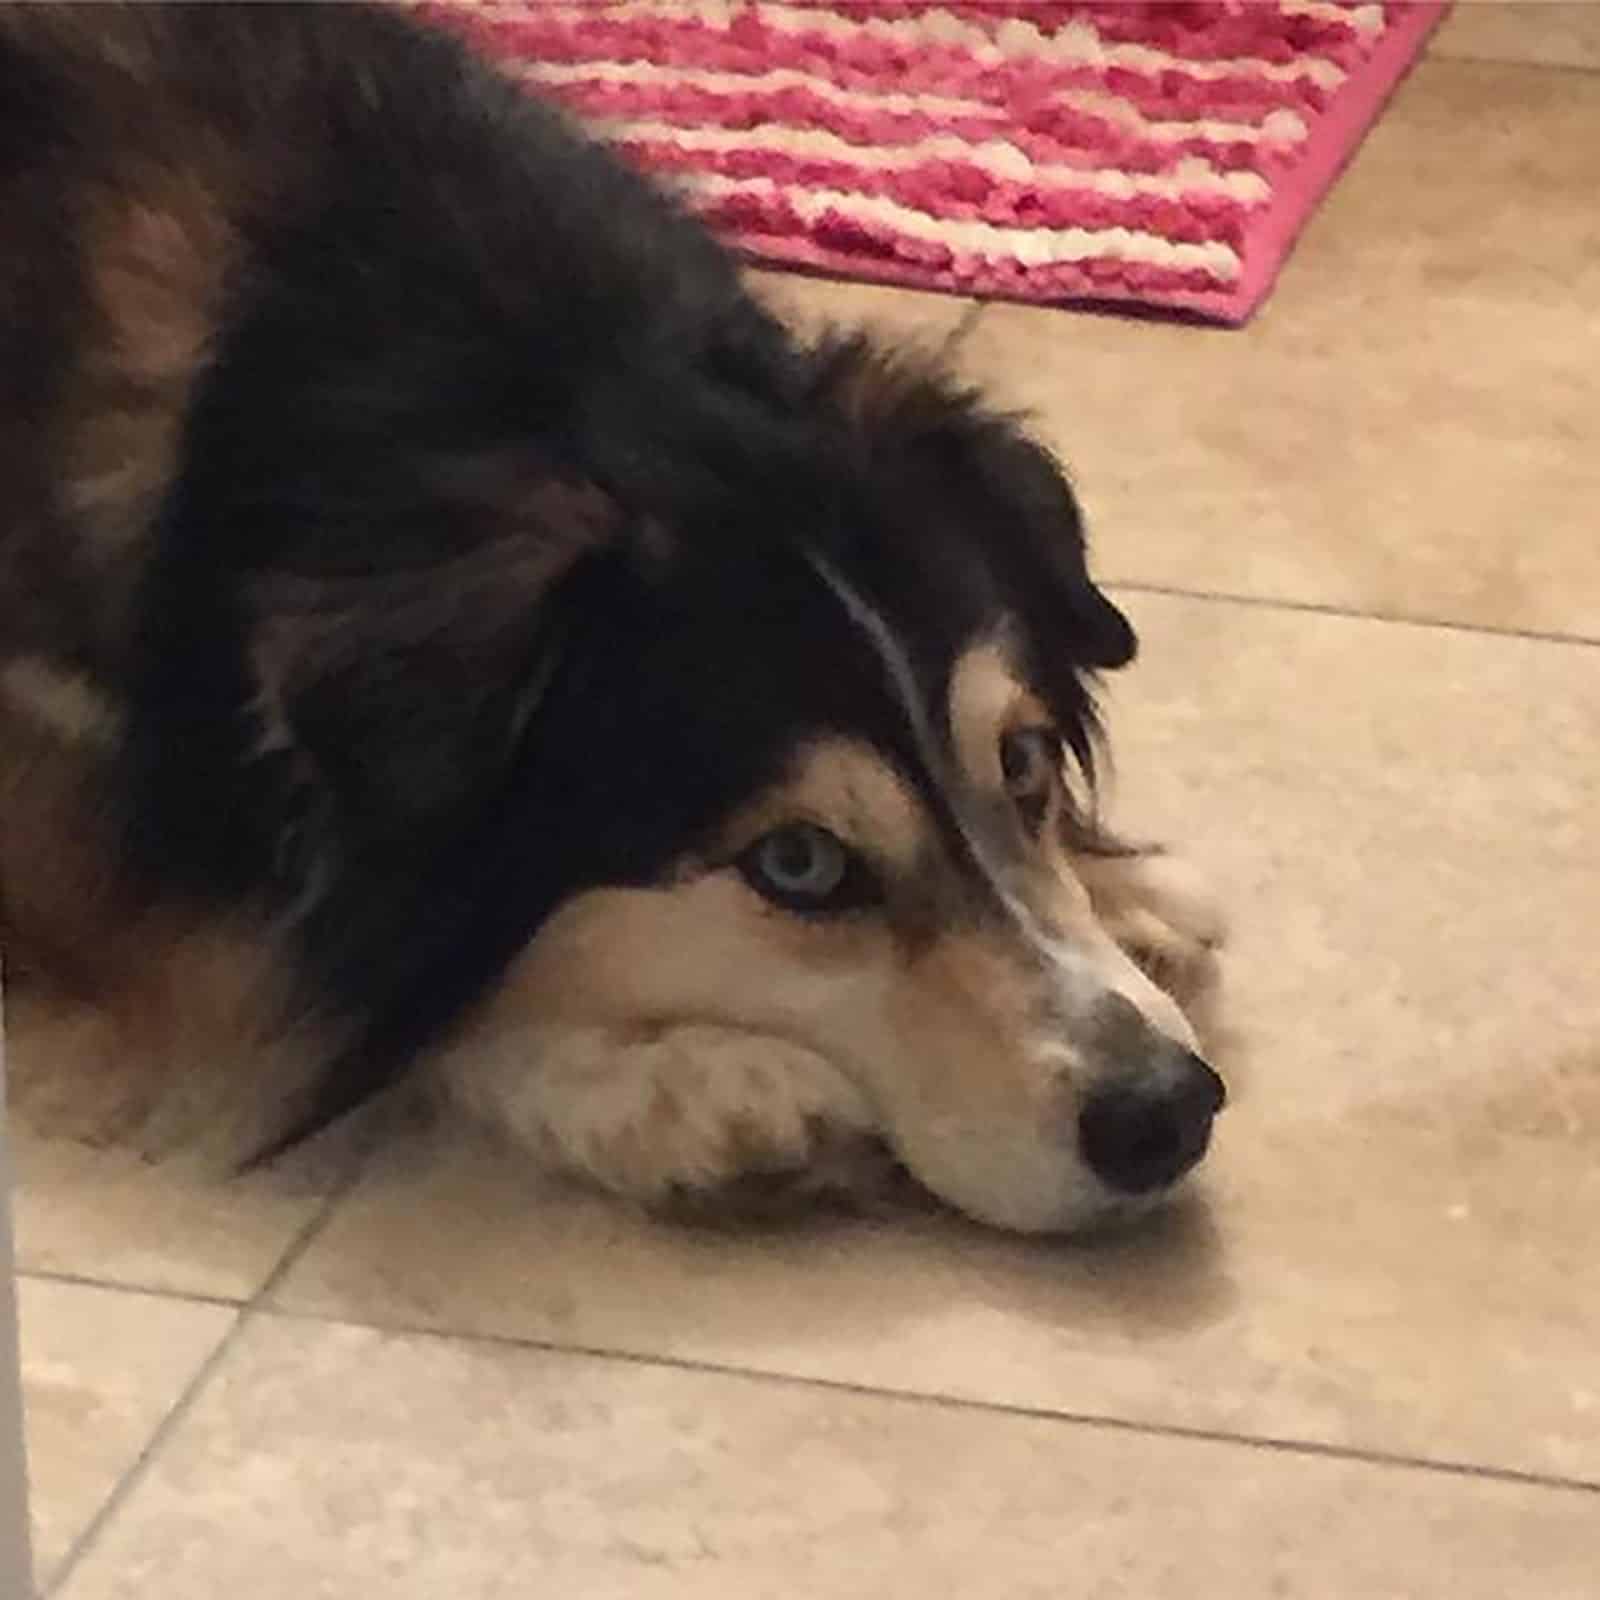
{"points": [[672, 1045], [704, 949]]}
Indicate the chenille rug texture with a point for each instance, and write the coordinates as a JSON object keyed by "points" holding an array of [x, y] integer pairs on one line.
{"points": [[1160, 155]]}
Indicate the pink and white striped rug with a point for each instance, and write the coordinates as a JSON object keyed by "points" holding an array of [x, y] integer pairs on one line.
{"points": [[1160, 154]]}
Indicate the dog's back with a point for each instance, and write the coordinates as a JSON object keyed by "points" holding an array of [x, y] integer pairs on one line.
{"points": [[431, 263]]}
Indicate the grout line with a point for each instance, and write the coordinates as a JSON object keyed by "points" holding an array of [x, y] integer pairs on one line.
{"points": [[1321, 609], [130, 1479], [81, 1280], [1163, 1430], [246, 1313], [307, 1236], [1581, 69]]}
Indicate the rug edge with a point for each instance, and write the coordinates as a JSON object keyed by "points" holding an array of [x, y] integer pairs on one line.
{"points": [[1339, 138]]}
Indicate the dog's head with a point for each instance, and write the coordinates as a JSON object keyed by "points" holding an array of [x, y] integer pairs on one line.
{"points": [[823, 801], [791, 802]]}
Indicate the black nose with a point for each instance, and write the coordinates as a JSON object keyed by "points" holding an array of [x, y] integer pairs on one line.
{"points": [[1142, 1135]]}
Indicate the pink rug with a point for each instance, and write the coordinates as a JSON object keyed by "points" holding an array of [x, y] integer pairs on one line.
{"points": [[1163, 155]]}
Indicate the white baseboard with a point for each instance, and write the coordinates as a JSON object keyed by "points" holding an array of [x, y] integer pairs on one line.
{"points": [[15, 1558]]}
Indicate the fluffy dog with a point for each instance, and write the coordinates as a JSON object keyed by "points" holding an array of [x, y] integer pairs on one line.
{"points": [[446, 624]]}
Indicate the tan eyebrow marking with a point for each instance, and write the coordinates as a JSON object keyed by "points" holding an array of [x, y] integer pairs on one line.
{"points": [[846, 787], [987, 698]]}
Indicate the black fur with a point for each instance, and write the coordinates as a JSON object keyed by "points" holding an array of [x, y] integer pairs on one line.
{"points": [[487, 574]]}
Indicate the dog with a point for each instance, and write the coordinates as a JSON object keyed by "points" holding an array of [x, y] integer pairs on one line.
{"points": [[451, 631]]}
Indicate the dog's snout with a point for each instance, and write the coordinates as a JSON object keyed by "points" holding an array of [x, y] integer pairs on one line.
{"points": [[1139, 1134]]}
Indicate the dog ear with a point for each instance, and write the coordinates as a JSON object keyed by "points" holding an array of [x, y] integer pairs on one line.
{"points": [[1039, 535], [396, 697], [700, 449], [1009, 491], [392, 697]]}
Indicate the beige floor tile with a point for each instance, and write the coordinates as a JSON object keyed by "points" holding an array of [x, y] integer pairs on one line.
{"points": [[1409, 426], [100, 1369], [810, 304], [337, 1462], [1555, 33], [108, 1216], [1396, 1245]]}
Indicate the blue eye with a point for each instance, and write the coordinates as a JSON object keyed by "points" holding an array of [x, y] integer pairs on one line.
{"points": [[802, 867]]}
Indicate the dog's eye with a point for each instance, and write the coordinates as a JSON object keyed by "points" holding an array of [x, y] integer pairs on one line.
{"points": [[1030, 761], [802, 867]]}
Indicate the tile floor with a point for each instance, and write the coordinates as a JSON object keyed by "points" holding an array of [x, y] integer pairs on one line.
{"points": [[1364, 1361]]}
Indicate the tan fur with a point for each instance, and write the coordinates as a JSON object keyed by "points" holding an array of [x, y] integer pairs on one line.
{"points": [[59, 701], [844, 787], [59, 893], [181, 1046], [126, 1020], [159, 255], [986, 700]]}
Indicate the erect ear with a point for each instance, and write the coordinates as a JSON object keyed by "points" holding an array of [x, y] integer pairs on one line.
{"points": [[395, 697]]}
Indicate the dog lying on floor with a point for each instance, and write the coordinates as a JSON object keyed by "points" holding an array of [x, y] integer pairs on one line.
{"points": [[446, 624]]}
